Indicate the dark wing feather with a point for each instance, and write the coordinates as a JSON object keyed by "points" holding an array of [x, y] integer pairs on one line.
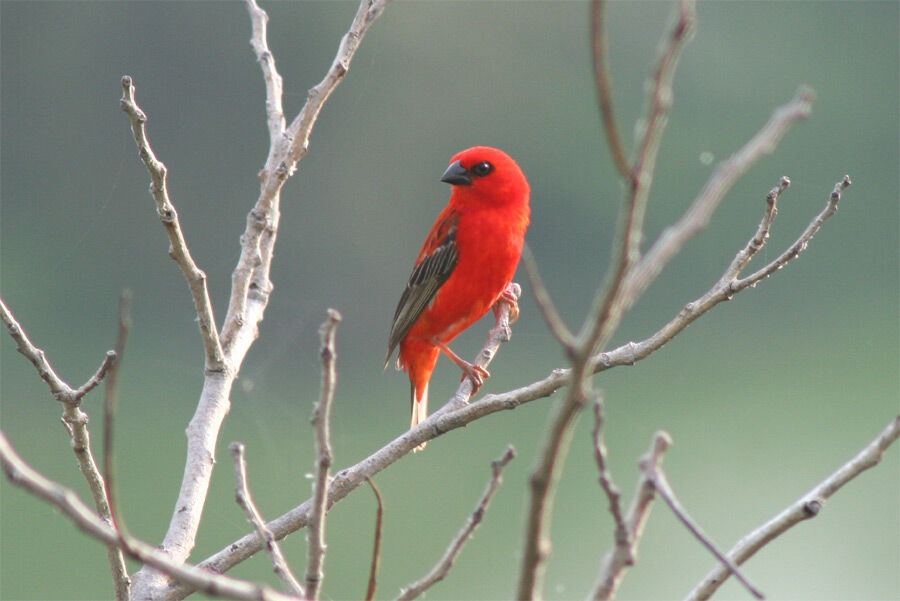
{"points": [[427, 277]]}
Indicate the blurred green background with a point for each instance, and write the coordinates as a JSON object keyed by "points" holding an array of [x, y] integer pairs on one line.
{"points": [[764, 396]]}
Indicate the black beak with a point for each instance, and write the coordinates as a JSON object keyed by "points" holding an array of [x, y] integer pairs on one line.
{"points": [[457, 175]]}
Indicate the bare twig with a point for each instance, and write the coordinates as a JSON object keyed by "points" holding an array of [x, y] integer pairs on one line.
{"points": [[60, 390], [110, 406], [121, 579], [697, 217], [245, 500], [548, 309], [376, 546], [727, 286], [321, 421], [301, 127], [603, 81], [613, 298], [250, 280], [661, 483], [611, 301], [804, 508], [440, 570], [178, 249], [799, 245], [612, 568], [542, 488], [623, 544], [259, 41], [218, 585], [75, 421]]}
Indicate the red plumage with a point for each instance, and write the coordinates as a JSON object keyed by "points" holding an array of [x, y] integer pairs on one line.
{"points": [[468, 259]]}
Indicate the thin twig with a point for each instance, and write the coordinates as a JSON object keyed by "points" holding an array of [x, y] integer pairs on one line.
{"points": [[321, 421], [603, 82], [376, 547], [725, 288], [440, 570], [548, 309], [665, 491], [613, 298], [606, 482], [698, 215], [543, 482], [245, 500], [110, 406], [804, 508], [301, 127], [59, 388], [217, 585], [75, 421], [178, 249], [121, 579], [259, 41], [617, 559], [800, 244]]}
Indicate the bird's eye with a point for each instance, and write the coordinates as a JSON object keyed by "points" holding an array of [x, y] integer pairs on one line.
{"points": [[482, 169]]}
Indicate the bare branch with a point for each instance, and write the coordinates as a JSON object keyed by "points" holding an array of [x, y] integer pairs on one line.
{"points": [[178, 249], [245, 500], [800, 244], [301, 127], [75, 421], [60, 390], [612, 568], [613, 298], [545, 302], [376, 548], [23, 475], [804, 508], [121, 580], [542, 488], [259, 42], [725, 288], [622, 538], [440, 570], [321, 421], [250, 281], [603, 82], [665, 491], [697, 217]]}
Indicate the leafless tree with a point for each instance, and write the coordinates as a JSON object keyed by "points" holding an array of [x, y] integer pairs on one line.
{"points": [[167, 574]]}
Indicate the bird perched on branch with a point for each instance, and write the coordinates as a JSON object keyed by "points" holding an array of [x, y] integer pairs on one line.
{"points": [[468, 259]]}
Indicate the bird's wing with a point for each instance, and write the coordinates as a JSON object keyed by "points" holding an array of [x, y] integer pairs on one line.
{"points": [[434, 265]]}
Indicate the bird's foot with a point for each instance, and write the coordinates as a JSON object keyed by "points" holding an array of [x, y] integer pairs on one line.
{"points": [[510, 298], [476, 374]]}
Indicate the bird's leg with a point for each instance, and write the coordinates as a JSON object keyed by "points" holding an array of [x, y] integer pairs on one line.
{"points": [[510, 299], [475, 373]]}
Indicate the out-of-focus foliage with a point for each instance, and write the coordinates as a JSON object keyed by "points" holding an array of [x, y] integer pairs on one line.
{"points": [[763, 397]]}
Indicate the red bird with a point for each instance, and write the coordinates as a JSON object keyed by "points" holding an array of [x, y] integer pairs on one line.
{"points": [[464, 267]]}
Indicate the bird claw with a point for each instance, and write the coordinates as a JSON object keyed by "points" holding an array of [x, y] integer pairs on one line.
{"points": [[476, 374], [510, 299]]}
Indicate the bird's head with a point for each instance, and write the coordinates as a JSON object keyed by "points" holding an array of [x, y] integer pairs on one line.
{"points": [[482, 174]]}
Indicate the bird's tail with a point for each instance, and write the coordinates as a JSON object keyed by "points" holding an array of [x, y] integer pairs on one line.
{"points": [[418, 410]]}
